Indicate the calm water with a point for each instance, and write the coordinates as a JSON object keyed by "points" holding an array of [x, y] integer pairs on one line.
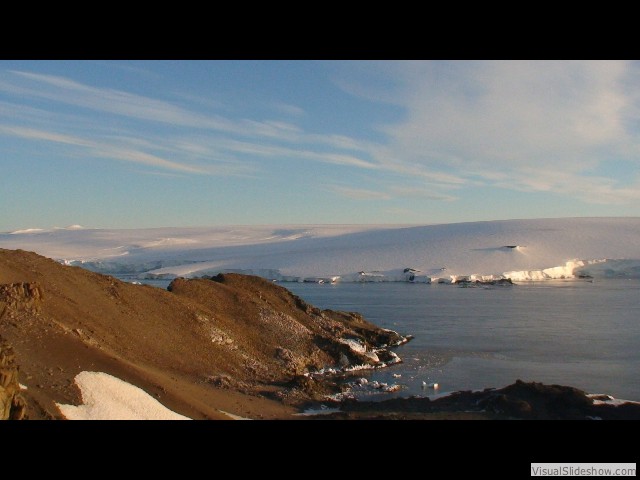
{"points": [[569, 332]]}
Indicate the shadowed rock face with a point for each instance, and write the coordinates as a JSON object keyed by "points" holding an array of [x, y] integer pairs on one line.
{"points": [[11, 402]]}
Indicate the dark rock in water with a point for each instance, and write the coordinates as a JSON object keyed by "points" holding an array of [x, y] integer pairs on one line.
{"points": [[501, 281], [521, 400], [550, 401]]}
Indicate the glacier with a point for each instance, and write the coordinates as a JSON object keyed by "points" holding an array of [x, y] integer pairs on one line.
{"points": [[520, 250]]}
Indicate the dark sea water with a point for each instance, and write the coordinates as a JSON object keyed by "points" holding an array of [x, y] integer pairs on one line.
{"points": [[572, 332]]}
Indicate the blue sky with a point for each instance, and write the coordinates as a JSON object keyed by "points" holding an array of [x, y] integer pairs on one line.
{"points": [[124, 144]]}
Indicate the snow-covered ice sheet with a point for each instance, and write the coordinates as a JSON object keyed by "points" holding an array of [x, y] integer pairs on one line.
{"points": [[108, 398], [522, 250]]}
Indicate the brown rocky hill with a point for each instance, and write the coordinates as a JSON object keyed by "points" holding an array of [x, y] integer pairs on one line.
{"points": [[234, 343]]}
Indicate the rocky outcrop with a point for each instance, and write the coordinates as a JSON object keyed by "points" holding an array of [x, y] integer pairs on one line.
{"points": [[12, 406], [20, 297], [201, 339], [520, 400], [342, 340]]}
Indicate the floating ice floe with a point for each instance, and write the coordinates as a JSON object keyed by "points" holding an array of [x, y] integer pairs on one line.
{"points": [[433, 385]]}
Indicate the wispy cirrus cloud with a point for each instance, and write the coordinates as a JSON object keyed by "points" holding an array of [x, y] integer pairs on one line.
{"points": [[393, 191], [288, 109], [360, 193], [117, 102], [534, 126], [101, 149], [221, 149], [520, 126], [426, 191]]}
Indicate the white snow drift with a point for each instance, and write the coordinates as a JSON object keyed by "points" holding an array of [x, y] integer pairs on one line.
{"points": [[521, 250], [108, 398]]}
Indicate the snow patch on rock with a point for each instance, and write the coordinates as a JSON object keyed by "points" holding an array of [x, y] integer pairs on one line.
{"points": [[108, 398]]}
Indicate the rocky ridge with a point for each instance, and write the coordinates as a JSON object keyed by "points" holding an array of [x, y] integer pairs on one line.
{"points": [[196, 346]]}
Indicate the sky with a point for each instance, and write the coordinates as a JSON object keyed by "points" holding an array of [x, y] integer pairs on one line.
{"points": [[135, 144]]}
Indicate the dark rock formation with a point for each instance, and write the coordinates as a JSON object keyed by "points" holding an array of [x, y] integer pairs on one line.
{"points": [[12, 406], [195, 346], [521, 400], [20, 297]]}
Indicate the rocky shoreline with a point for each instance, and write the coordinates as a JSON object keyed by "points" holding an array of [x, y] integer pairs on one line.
{"points": [[218, 348], [232, 343], [518, 401]]}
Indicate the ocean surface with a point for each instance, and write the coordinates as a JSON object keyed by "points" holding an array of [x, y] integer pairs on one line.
{"points": [[571, 332]]}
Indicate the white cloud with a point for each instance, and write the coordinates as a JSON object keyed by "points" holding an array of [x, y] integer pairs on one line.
{"points": [[101, 149], [34, 134], [388, 192], [264, 138], [360, 193], [288, 109], [139, 107], [428, 192], [525, 126], [262, 149], [540, 126], [591, 189]]}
